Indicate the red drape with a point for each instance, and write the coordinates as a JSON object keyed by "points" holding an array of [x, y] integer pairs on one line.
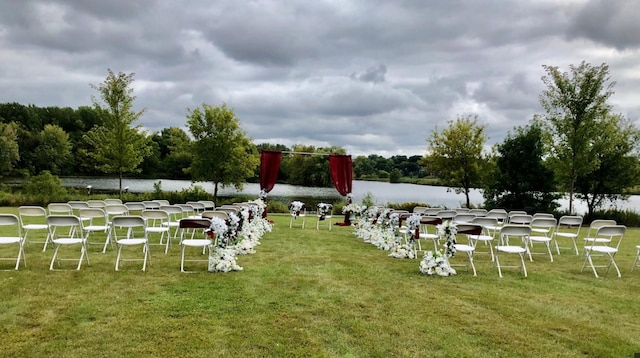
{"points": [[269, 167], [341, 172]]}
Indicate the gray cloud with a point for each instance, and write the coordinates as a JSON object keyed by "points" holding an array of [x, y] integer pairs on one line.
{"points": [[374, 77]]}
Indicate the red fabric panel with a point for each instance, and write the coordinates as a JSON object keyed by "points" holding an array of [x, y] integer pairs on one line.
{"points": [[269, 167], [341, 172]]}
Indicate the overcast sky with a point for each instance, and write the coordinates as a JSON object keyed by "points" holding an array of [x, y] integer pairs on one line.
{"points": [[374, 77]]}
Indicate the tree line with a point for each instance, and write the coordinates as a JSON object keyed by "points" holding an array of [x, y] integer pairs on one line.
{"points": [[578, 146]]}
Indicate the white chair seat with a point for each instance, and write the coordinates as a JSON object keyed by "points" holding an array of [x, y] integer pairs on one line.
{"points": [[429, 236], [196, 242], [511, 249], [484, 238], [540, 238], [131, 241], [566, 234], [10, 240], [602, 249], [464, 248], [35, 227], [68, 241], [96, 227]]}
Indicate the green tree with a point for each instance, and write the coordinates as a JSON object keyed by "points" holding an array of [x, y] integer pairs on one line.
{"points": [[117, 146], [222, 153], [520, 178], [615, 149], [455, 154], [9, 150], [54, 151], [575, 103]]}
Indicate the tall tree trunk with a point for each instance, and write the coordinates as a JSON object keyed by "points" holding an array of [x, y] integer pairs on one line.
{"points": [[466, 193], [215, 192], [120, 183]]}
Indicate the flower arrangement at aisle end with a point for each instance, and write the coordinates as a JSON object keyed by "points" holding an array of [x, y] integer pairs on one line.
{"points": [[413, 227], [323, 210], [435, 263], [295, 208], [221, 258]]}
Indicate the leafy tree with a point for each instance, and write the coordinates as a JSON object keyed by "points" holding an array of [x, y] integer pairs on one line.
{"points": [[615, 149], [520, 179], [362, 167], [455, 154], [222, 153], [574, 102], [116, 145], [310, 170], [9, 150], [395, 175], [54, 150]]}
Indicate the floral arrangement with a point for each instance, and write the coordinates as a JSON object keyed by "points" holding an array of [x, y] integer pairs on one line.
{"points": [[295, 208], [403, 251], [447, 231], [352, 208], [219, 229], [263, 195], [223, 260], [413, 226], [323, 210], [435, 263]]}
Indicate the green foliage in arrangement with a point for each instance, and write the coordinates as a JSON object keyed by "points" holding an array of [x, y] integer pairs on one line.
{"points": [[315, 293]]}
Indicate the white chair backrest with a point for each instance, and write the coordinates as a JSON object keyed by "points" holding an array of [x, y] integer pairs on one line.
{"points": [[174, 211], [96, 203], [110, 201], [543, 222], [462, 210], [162, 202], [419, 209], [32, 211], [151, 204], [63, 220], [129, 221], [596, 224], [515, 230], [92, 213], [543, 215], [499, 214], [116, 209], [155, 214], [215, 213], [431, 211], [611, 232], [570, 221], [60, 208], [478, 212], [197, 206], [522, 219], [11, 220], [77, 204], [463, 218], [208, 204], [446, 214], [135, 205]]}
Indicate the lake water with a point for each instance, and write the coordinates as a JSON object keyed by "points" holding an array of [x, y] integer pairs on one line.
{"points": [[382, 193]]}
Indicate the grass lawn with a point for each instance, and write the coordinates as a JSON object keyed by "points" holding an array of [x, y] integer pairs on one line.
{"points": [[315, 293]]}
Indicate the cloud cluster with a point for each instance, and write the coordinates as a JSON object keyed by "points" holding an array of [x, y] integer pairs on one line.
{"points": [[375, 77]]}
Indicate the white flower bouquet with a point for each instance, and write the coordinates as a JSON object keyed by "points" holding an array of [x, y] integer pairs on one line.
{"points": [[435, 263]]}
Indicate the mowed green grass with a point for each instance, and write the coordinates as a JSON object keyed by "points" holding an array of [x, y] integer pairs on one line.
{"points": [[309, 293]]}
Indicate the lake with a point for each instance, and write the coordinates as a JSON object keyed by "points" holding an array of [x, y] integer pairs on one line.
{"points": [[382, 192]]}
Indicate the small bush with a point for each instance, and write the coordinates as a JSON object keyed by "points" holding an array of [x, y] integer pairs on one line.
{"points": [[46, 188]]}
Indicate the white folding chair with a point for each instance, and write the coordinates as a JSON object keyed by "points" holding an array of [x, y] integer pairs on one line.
{"points": [[203, 243], [132, 237], [34, 218], [297, 214], [175, 214], [157, 222], [96, 203], [514, 239], [520, 219], [592, 235], [208, 204], [471, 231], [111, 201], [463, 218], [59, 209], [12, 235], [489, 229], [94, 220], [74, 235], [635, 262], [324, 213], [198, 207], [568, 228], [136, 206], [542, 232], [614, 234]]}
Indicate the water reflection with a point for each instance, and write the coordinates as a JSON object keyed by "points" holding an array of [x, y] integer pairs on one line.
{"points": [[381, 192]]}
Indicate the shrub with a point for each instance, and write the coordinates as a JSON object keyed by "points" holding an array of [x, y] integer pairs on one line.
{"points": [[46, 188]]}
